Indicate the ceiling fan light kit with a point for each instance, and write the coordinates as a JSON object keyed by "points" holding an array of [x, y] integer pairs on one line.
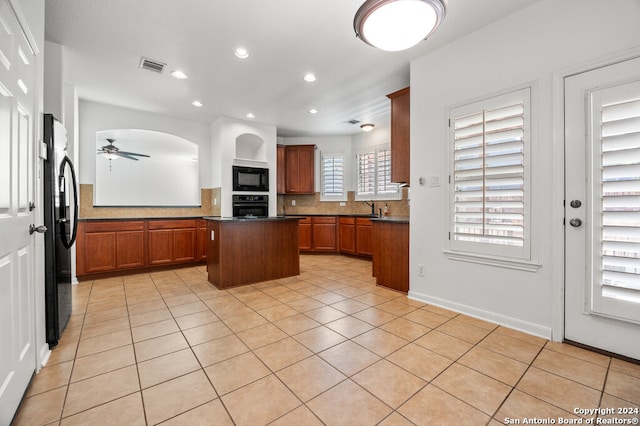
{"points": [[394, 25], [112, 152]]}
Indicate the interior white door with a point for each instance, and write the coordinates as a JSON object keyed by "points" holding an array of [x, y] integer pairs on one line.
{"points": [[602, 208], [17, 299]]}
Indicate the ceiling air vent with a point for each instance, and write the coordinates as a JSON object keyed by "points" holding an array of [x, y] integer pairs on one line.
{"points": [[151, 65], [353, 121]]}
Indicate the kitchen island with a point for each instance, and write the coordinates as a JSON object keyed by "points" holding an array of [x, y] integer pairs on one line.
{"points": [[249, 250], [391, 252]]}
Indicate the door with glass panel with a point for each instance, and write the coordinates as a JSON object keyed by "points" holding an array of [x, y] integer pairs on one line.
{"points": [[602, 208]]}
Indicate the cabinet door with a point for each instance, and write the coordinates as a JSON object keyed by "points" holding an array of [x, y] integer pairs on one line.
{"points": [[184, 245], [299, 169], [201, 253], [280, 169], [160, 246], [325, 234], [100, 252], [364, 237], [306, 234], [400, 130], [130, 249], [347, 235]]}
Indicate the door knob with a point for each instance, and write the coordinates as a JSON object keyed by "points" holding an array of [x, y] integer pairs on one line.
{"points": [[575, 203], [575, 222], [39, 229]]}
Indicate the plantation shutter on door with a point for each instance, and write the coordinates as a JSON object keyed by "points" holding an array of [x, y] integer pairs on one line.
{"points": [[616, 209], [333, 175]]}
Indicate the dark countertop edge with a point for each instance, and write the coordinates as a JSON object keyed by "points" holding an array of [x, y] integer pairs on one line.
{"points": [[391, 219], [370, 216], [253, 219], [99, 219]]}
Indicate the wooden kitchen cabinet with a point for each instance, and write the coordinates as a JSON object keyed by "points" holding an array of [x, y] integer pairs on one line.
{"points": [[280, 169], [356, 236], [318, 234], [347, 231], [172, 241], [105, 246], [108, 246], [299, 169], [400, 135], [391, 254]]}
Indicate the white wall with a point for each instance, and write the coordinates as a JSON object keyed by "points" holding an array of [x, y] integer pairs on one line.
{"points": [[53, 80], [95, 116], [224, 132], [528, 46]]}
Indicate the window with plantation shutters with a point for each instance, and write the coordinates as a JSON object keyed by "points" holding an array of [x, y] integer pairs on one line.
{"points": [[332, 177], [489, 142], [374, 175], [616, 203]]}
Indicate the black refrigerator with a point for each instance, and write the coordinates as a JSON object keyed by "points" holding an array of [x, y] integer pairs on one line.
{"points": [[61, 220]]}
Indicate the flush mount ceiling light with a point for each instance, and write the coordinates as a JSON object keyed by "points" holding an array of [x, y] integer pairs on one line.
{"points": [[367, 127], [313, 111], [250, 115], [309, 77], [394, 25], [179, 75], [196, 104], [241, 53]]}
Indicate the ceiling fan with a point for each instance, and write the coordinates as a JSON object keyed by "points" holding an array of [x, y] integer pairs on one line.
{"points": [[112, 152]]}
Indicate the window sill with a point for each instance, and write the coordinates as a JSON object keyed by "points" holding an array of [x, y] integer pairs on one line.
{"points": [[501, 262]]}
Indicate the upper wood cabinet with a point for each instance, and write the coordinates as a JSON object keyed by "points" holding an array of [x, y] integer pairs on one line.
{"points": [[280, 158], [400, 131], [299, 169]]}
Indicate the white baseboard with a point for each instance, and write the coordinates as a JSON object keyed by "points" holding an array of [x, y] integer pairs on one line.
{"points": [[510, 322]]}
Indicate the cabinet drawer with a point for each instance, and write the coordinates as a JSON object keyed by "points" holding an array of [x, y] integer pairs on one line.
{"points": [[363, 221], [172, 224], [305, 220], [347, 220], [113, 226], [322, 219]]}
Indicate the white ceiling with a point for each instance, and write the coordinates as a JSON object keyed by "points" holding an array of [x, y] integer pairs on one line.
{"points": [[104, 41]]}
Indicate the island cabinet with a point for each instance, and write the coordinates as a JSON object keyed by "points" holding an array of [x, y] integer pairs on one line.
{"points": [[242, 252], [400, 131], [319, 234], [356, 236], [106, 246], [299, 169], [391, 254]]}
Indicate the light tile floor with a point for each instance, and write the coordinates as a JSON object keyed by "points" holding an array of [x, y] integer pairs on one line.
{"points": [[325, 347]]}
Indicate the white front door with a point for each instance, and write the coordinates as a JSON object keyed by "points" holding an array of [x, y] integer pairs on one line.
{"points": [[602, 208], [17, 293]]}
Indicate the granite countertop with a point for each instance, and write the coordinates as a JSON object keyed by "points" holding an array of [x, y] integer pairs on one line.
{"points": [[394, 219], [251, 219]]}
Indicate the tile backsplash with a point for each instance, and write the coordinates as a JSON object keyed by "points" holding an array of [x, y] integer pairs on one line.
{"points": [[89, 211], [311, 204]]}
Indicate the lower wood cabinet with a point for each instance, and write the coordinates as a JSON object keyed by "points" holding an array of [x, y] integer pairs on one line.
{"points": [[356, 236], [318, 234], [391, 254], [114, 245]]}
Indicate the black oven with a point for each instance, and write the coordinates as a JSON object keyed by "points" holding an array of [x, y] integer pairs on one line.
{"points": [[250, 179], [250, 205]]}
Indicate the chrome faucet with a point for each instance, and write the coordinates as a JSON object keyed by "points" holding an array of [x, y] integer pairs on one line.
{"points": [[372, 205]]}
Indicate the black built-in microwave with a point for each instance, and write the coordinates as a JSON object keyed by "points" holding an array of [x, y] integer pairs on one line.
{"points": [[250, 179]]}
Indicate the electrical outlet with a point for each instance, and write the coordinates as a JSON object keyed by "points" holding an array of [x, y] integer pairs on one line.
{"points": [[293, 202], [215, 201], [213, 236], [421, 270], [342, 204]]}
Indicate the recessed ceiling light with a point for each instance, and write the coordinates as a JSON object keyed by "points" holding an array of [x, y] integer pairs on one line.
{"points": [[196, 104], [179, 75], [309, 77], [241, 53], [250, 115], [313, 111], [367, 127]]}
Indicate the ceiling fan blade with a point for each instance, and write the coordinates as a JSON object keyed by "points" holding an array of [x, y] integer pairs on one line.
{"points": [[133, 153], [125, 155]]}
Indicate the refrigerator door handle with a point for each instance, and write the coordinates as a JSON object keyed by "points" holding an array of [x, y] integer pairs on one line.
{"points": [[63, 203]]}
